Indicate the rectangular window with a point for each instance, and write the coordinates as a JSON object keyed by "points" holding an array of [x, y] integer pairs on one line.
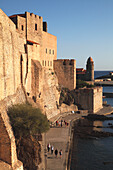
{"points": [[50, 51], [43, 62], [46, 50], [36, 27], [53, 52], [48, 63], [22, 27]]}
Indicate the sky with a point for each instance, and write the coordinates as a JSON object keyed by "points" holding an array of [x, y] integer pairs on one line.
{"points": [[83, 28]]}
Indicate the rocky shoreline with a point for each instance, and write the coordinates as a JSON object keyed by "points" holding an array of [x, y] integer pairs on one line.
{"points": [[84, 127]]}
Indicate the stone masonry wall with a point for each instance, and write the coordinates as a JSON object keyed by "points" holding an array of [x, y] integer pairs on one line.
{"points": [[7, 140], [97, 99], [66, 73], [89, 98], [10, 53], [47, 42], [49, 50]]}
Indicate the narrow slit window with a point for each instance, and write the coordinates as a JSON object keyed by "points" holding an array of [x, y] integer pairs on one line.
{"points": [[22, 27], [43, 62], [50, 63], [36, 27]]}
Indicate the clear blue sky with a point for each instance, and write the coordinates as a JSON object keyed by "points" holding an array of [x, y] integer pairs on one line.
{"points": [[83, 27]]}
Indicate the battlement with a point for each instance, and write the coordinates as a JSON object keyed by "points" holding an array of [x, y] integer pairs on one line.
{"points": [[32, 15], [66, 62], [25, 14]]}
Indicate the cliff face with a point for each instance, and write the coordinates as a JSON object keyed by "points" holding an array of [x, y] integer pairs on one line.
{"points": [[28, 152], [7, 139], [51, 94]]}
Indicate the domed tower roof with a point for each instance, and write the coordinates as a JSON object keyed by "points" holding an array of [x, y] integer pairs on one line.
{"points": [[90, 69], [90, 59]]}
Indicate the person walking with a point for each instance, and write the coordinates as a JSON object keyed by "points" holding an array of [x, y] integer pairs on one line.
{"points": [[61, 122], [52, 149], [56, 152], [57, 123], [48, 147], [60, 153]]}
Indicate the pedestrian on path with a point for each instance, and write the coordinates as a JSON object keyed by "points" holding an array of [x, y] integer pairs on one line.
{"points": [[56, 152], [48, 147], [57, 123], [61, 123], [60, 153], [52, 149]]}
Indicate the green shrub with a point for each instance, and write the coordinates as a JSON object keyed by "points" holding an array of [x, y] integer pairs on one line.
{"points": [[81, 84], [26, 120], [66, 97]]}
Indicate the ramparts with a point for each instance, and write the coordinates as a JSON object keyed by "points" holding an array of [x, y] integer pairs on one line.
{"points": [[66, 73], [89, 98]]}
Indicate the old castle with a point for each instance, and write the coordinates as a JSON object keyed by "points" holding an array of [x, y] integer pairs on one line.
{"points": [[29, 69]]}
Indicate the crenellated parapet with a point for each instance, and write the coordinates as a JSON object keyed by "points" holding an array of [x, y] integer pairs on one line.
{"points": [[66, 62]]}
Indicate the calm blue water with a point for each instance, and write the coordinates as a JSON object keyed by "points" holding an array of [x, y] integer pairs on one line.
{"points": [[101, 73], [108, 89], [91, 154], [105, 88], [95, 154]]}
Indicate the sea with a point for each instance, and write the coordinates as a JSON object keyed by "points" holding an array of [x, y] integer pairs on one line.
{"points": [[97, 153]]}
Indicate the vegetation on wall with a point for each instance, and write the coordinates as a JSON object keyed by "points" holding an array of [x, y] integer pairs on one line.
{"points": [[81, 84], [26, 120], [28, 123], [66, 97]]}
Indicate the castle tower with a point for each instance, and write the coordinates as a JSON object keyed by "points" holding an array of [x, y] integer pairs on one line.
{"points": [[90, 69]]}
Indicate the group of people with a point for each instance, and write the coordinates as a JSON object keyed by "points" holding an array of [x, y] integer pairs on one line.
{"points": [[60, 123], [51, 147]]}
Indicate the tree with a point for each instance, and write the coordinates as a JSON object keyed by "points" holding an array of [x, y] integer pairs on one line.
{"points": [[26, 120]]}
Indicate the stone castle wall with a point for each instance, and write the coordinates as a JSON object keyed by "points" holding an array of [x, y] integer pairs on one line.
{"points": [[97, 99], [30, 26], [66, 73], [7, 139], [10, 54], [89, 98]]}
